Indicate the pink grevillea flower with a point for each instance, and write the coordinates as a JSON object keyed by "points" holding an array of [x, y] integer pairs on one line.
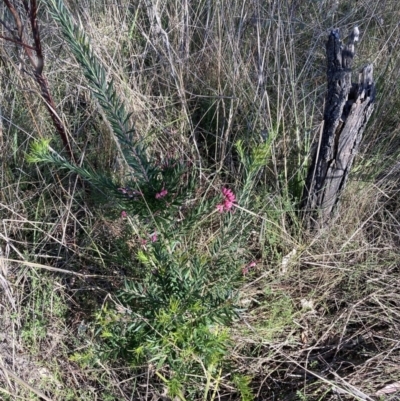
{"points": [[153, 238], [246, 269], [161, 194], [124, 215], [229, 194], [220, 208], [229, 199]]}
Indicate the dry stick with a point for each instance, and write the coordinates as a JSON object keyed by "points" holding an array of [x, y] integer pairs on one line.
{"points": [[50, 268], [36, 38], [16, 41], [20, 31], [42, 81], [17, 20], [38, 67], [346, 113]]}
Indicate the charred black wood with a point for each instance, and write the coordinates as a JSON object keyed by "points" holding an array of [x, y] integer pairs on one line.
{"points": [[348, 107]]}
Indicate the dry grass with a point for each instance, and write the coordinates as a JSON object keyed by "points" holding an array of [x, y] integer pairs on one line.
{"points": [[339, 302], [199, 76]]}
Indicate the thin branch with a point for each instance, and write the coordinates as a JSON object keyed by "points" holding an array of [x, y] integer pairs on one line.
{"points": [[17, 20], [16, 41], [38, 64], [36, 38], [20, 29]]}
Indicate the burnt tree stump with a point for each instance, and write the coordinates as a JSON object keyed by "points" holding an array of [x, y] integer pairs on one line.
{"points": [[348, 107]]}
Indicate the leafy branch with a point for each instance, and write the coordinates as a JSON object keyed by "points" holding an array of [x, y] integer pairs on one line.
{"points": [[114, 109]]}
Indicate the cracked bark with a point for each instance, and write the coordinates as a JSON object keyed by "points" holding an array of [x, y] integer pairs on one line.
{"points": [[348, 108]]}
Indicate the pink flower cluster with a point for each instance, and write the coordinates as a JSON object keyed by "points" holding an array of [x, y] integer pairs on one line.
{"points": [[153, 238], [229, 199], [246, 269], [161, 194]]}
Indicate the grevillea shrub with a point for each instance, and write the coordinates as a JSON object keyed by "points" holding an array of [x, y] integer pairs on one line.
{"points": [[175, 308]]}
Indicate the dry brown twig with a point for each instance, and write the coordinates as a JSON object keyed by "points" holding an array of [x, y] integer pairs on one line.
{"points": [[37, 62]]}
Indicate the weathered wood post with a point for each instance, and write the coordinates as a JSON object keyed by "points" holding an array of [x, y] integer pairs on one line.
{"points": [[348, 108]]}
